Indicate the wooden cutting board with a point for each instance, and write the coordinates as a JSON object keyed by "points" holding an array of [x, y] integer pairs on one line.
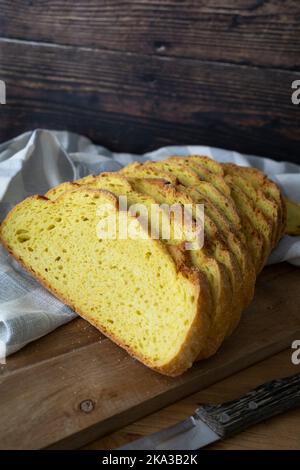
{"points": [[74, 385]]}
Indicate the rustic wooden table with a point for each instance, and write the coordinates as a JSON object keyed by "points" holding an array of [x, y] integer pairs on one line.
{"points": [[74, 385], [281, 432]]}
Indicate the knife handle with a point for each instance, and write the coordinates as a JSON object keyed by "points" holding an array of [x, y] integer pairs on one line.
{"points": [[267, 400]]}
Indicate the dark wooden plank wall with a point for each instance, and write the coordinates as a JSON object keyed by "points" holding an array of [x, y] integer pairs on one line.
{"points": [[140, 74]]}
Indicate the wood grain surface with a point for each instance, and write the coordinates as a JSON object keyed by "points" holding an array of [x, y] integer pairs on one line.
{"points": [[278, 433], [129, 103], [142, 74], [248, 32], [74, 385]]}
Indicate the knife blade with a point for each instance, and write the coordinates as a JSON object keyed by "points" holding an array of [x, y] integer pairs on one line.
{"points": [[189, 434], [211, 423]]}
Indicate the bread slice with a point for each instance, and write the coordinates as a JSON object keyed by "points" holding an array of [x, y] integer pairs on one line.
{"points": [[143, 318]]}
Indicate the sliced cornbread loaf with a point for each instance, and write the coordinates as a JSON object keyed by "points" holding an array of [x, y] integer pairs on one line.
{"points": [[143, 318], [244, 219]]}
